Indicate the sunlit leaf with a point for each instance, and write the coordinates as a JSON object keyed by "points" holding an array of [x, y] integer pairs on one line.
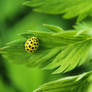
{"points": [[64, 50], [77, 83], [70, 8]]}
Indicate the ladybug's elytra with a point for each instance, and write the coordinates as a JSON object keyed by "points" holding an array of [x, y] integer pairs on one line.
{"points": [[32, 44]]}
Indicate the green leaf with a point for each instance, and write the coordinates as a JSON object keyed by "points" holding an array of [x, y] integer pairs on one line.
{"points": [[70, 8], [71, 57], [82, 16], [78, 83], [53, 28], [64, 50]]}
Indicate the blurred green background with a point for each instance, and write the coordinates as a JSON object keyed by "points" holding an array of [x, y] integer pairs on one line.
{"points": [[16, 18]]}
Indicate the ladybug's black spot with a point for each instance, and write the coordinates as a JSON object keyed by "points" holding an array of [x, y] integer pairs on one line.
{"points": [[29, 46], [37, 43], [31, 42], [27, 49], [30, 50], [32, 47], [34, 44], [35, 47]]}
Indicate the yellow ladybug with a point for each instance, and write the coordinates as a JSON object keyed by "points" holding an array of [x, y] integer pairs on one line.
{"points": [[32, 44]]}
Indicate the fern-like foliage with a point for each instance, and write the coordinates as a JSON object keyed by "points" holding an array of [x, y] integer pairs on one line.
{"points": [[70, 8], [78, 83], [63, 50]]}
